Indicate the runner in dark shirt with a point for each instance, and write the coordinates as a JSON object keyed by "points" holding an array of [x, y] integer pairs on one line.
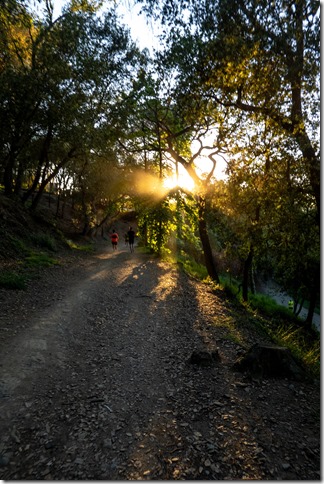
{"points": [[131, 238]]}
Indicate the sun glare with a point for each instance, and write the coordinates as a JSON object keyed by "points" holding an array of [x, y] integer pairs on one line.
{"points": [[183, 181]]}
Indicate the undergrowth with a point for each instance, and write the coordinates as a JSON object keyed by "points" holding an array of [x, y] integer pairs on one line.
{"points": [[40, 260], [12, 280], [44, 241], [192, 268]]}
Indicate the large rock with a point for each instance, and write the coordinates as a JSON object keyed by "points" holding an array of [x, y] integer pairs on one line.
{"points": [[204, 358], [269, 361]]}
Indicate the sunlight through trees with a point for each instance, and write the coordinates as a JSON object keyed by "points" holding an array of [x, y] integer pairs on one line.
{"points": [[216, 129]]}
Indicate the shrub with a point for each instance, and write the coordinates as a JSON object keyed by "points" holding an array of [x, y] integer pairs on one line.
{"points": [[12, 280], [193, 268], [44, 241]]}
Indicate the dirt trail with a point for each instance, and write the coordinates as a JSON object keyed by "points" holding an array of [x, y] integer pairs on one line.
{"points": [[95, 382]]}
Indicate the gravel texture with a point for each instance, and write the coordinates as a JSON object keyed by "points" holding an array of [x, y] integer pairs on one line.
{"points": [[95, 382]]}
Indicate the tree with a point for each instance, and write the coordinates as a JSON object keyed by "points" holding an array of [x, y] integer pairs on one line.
{"points": [[65, 96], [260, 61], [258, 57], [176, 128]]}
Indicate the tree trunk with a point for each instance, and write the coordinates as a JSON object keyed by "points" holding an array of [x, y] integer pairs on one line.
{"points": [[8, 175], [159, 236], [19, 178], [42, 162], [209, 260], [311, 309], [314, 290], [58, 205], [252, 279], [246, 272], [86, 219]]}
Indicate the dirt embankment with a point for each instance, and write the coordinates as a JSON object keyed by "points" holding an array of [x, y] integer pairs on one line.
{"points": [[95, 382]]}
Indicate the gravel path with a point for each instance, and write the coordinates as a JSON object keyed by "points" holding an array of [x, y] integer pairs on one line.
{"points": [[95, 382]]}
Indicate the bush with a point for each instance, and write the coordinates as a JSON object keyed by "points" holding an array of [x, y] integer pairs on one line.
{"points": [[18, 245], [44, 241], [12, 280], [193, 268]]}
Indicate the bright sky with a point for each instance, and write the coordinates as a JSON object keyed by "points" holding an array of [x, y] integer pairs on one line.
{"points": [[141, 31]]}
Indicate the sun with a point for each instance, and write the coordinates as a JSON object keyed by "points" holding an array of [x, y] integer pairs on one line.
{"points": [[183, 180]]}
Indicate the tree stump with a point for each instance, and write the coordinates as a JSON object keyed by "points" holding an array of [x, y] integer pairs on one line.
{"points": [[269, 361]]}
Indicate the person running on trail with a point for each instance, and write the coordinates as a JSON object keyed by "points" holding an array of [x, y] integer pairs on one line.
{"points": [[114, 239], [131, 238]]}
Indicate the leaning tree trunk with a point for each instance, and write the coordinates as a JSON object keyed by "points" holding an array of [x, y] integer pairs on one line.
{"points": [[246, 272], [51, 177], [209, 260]]}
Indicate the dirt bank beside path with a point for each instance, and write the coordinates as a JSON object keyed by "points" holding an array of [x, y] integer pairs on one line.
{"points": [[95, 383]]}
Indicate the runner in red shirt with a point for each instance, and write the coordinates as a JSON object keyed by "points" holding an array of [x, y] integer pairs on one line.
{"points": [[114, 239]]}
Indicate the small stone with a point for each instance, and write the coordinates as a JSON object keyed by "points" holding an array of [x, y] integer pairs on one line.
{"points": [[107, 443], [4, 460]]}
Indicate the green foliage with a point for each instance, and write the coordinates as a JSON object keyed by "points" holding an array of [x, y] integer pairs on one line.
{"points": [[44, 241], [260, 302], [18, 244], [155, 224], [269, 307], [253, 73], [187, 238], [191, 267], [40, 260], [305, 349], [230, 287], [55, 107], [81, 247], [12, 280]]}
